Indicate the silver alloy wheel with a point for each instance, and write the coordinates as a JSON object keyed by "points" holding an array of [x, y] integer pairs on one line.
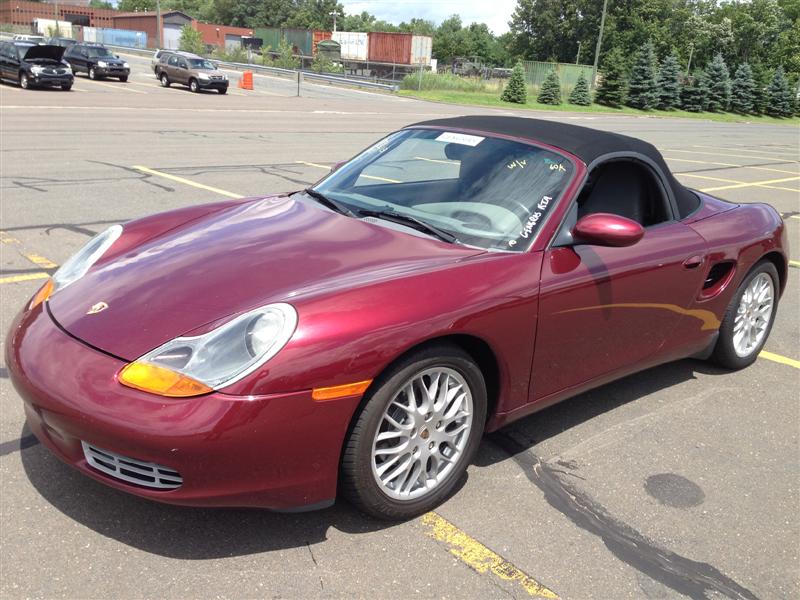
{"points": [[23, 81], [164, 80], [753, 314], [92, 73], [193, 86], [422, 434]]}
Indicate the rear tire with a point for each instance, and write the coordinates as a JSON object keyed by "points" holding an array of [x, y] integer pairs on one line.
{"points": [[736, 348], [430, 441], [164, 80]]}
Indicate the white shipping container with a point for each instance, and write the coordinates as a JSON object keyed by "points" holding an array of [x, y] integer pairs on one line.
{"points": [[421, 46], [353, 43], [48, 27], [90, 34]]}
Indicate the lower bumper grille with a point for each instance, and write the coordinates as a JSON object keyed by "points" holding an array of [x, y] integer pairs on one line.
{"points": [[131, 470]]}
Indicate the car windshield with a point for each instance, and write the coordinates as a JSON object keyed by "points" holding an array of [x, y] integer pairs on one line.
{"points": [[487, 192], [92, 51], [199, 63]]}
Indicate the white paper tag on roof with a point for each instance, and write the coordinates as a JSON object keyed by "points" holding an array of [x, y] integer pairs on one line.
{"points": [[460, 138]]}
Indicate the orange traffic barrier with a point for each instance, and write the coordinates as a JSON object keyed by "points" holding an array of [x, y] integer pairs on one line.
{"points": [[246, 80]]}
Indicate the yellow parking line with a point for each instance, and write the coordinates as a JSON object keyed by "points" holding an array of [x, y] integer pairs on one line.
{"points": [[722, 164], [436, 160], [7, 239], [26, 277], [784, 360], [376, 178], [795, 264], [772, 158], [480, 558], [119, 86], [745, 150], [310, 164], [185, 181], [40, 261], [739, 183], [744, 184]]}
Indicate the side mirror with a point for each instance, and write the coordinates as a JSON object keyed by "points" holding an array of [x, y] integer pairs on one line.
{"points": [[605, 229]]}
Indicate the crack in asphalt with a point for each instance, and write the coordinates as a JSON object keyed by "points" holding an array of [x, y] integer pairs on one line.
{"points": [[685, 576]]}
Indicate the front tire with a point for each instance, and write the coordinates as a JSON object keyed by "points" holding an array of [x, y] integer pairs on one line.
{"points": [[24, 82], [223, 90], [123, 78], [748, 320], [92, 73], [193, 86], [419, 429], [66, 88]]}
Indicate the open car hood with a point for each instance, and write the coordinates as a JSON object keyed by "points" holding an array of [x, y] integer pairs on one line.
{"points": [[277, 249], [55, 53]]}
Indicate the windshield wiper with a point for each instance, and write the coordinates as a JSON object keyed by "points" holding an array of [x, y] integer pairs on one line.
{"points": [[330, 203], [413, 222]]}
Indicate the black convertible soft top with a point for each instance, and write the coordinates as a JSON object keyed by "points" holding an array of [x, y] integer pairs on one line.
{"points": [[589, 145]]}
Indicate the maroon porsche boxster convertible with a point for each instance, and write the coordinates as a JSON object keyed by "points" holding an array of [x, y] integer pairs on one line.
{"points": [[365, 332]]}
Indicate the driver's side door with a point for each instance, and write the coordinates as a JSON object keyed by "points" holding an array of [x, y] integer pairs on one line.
{"points": [[605, 311]]}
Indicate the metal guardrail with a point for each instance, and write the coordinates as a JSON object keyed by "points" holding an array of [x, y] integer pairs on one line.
{"points": [[292, 73]]}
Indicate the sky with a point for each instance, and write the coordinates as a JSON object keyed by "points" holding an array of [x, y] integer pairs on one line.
{"points": [[495, 13]]}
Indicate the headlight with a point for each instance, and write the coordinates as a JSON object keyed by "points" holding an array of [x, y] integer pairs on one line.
{"points": [[77, 265], [126, 65], [102, 64], [190, 366], [37, 70], [203, 76]]}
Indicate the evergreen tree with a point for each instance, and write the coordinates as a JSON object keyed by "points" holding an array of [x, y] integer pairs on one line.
{"points": [[743, 90], [516, 89], [642, 88], [611, 91], [693, 93], [779, 96], [580, 93], [551, 89], [719, 85], [668, 82]]}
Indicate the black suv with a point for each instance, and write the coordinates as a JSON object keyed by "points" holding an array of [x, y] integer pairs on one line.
{"points": [[31, 65], [97, 61]]}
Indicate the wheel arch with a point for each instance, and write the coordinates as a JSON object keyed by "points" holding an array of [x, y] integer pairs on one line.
{"points": [[779, 260]]}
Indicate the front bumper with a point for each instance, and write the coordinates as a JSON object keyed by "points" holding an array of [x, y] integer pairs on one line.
{"points": [[45, 80], [213, 84], [112, 71], [279, 451]]}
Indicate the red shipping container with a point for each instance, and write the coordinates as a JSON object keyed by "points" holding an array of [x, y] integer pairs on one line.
{"points": [[390, 47], [318, 37]]}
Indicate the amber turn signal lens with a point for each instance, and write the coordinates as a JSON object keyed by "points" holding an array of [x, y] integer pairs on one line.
{"points": [[340, 391], [43, 294], [158, 380]]}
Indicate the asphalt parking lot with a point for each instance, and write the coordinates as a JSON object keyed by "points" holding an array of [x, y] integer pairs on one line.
{"points": [[679, 481]]}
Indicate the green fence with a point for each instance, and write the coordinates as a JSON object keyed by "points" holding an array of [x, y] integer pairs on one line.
{"points": [[537, 71]]}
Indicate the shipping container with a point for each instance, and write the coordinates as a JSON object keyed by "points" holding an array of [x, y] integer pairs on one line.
{"points": [[318, 36], [299, 39], [232, 42], [421, 46], [119, 37], [53, 28], [353, 44], [90, 34], [389, 47], [270, 37]]}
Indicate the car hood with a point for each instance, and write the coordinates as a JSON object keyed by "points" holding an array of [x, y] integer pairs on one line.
{"points": [[45, 51], [278, 249]]}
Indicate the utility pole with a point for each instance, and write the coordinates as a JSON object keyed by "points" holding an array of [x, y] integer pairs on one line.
{"points": [[578, 55], [599, 44], [158, 23], [689, 64], [333, 14]]}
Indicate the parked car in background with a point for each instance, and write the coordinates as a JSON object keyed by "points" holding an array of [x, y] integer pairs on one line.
{"points": [[194, 71], [61, 41], [157, 58], [33, 65], [96, 61]]}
